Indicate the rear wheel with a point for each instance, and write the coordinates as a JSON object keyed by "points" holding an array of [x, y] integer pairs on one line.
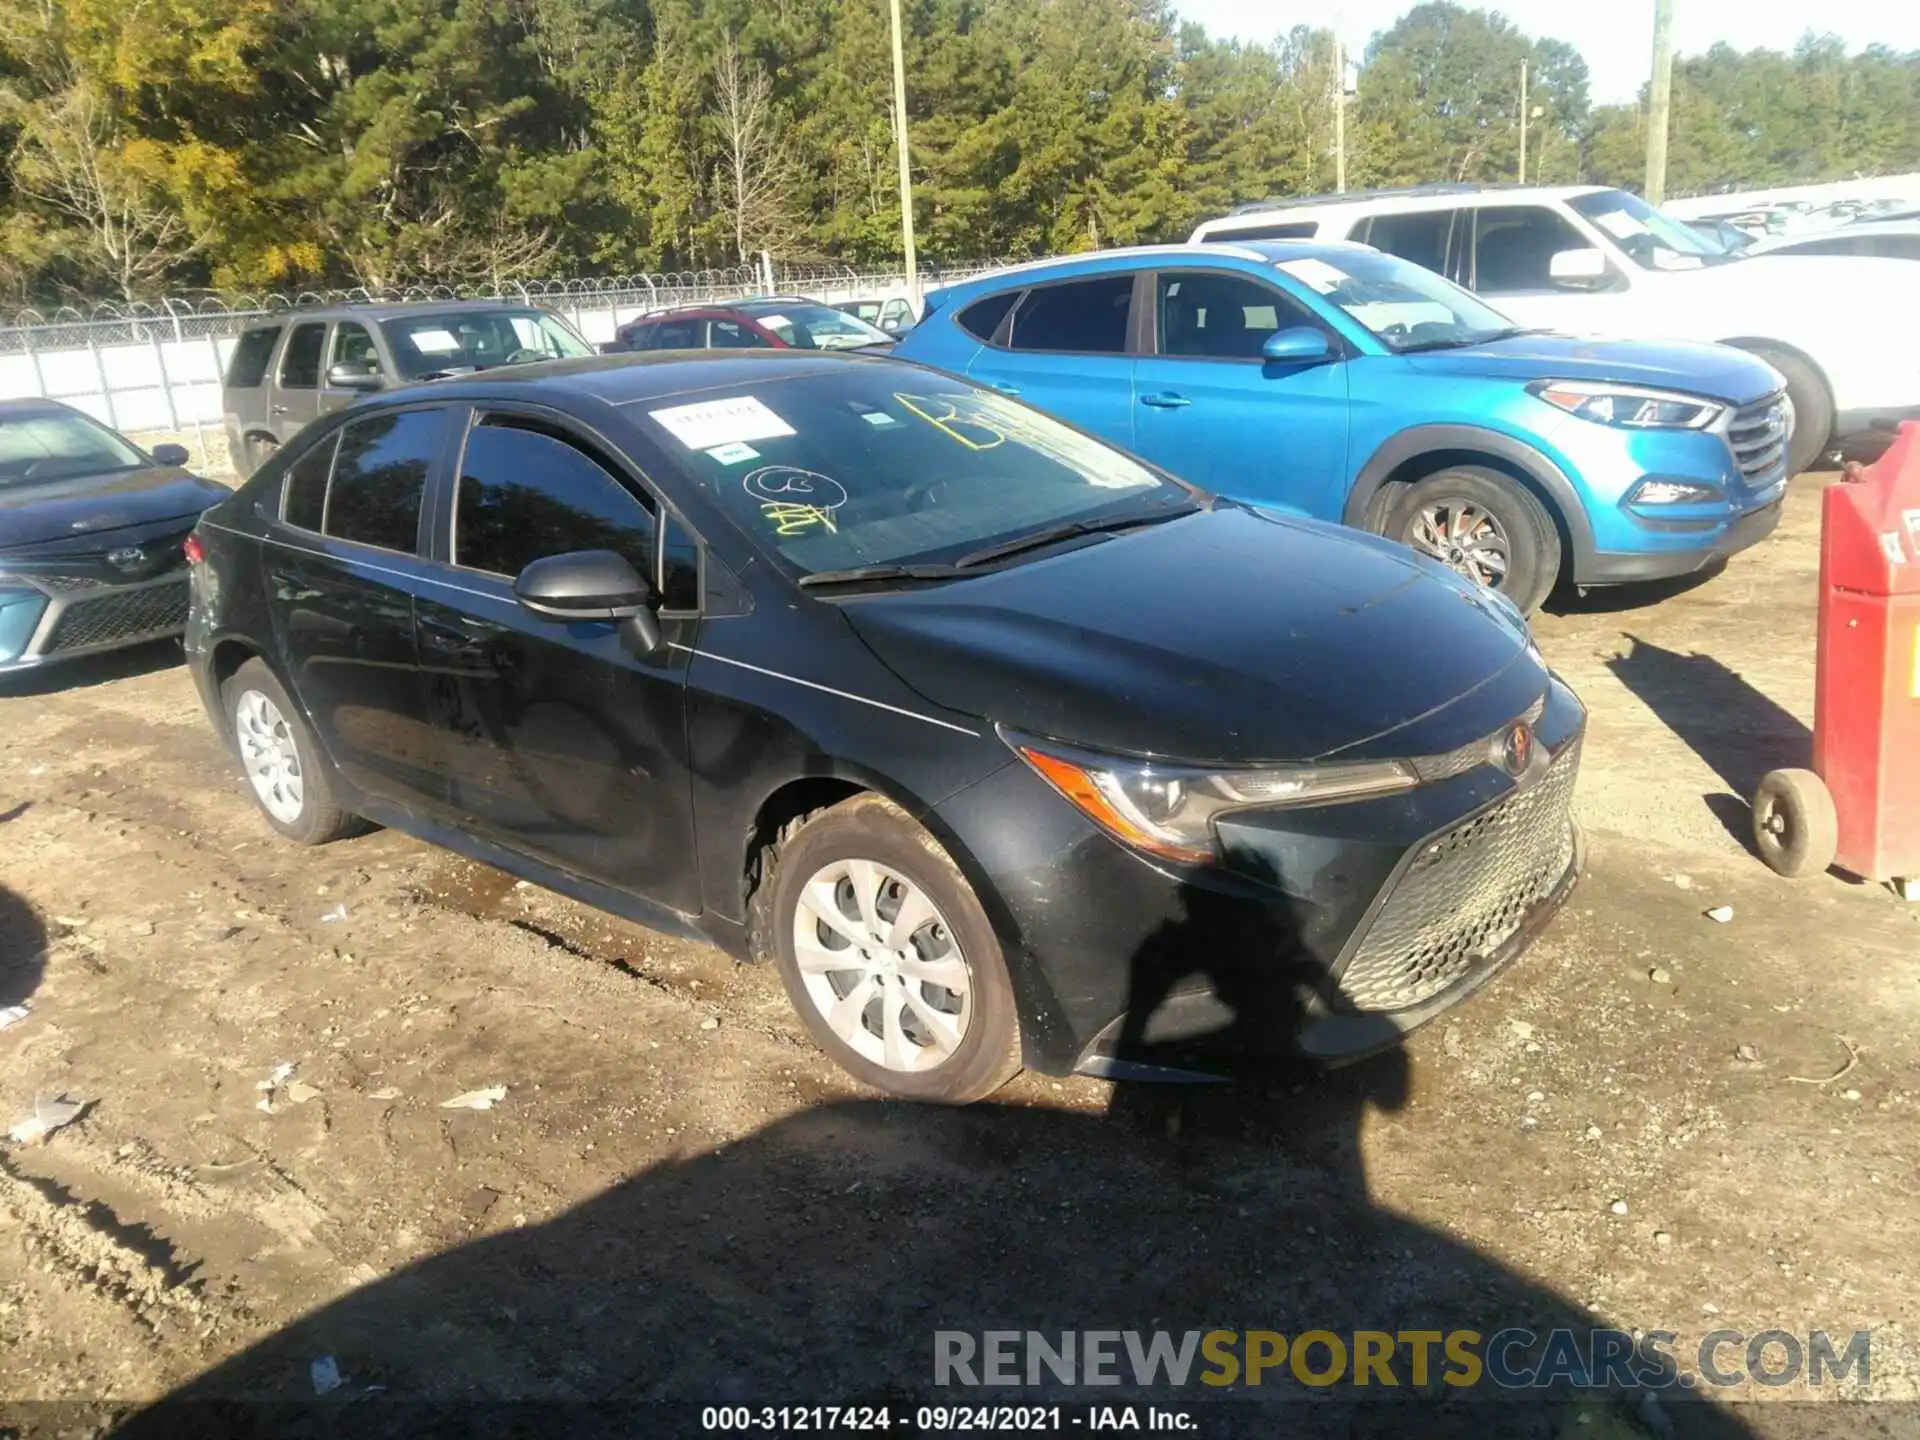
{"points": [[1485, 526], [291, 781], [887, 954], [1812, 409]]}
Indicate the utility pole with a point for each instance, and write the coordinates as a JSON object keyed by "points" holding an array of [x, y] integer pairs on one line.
{"points": [[1339, 116], [906, 168], [1659, 101], [1523, 122]]}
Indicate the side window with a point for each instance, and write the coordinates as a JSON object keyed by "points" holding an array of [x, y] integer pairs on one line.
{"points": [[1289, 230], [526, 494], [732, 335], [300, 366], [352, 345], [679, 568], [379, 476], [248, 365], [638, 337], [1514, 246], [1084, 316], [983, 317], [1221, 317], [1421, 237], [678, 335], [305, 504]]}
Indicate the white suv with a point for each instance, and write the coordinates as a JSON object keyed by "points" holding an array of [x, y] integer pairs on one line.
{"points": [[1587, 260]]}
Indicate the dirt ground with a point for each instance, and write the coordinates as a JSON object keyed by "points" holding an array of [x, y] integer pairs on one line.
{"points": [[1654, 1120]]}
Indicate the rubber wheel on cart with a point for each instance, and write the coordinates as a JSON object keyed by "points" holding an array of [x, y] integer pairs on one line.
{"points": [[1485, 526], [1812, 409], [1795, 827]]}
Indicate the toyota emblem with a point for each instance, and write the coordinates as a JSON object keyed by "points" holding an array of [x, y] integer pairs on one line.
{"points": [[128, 559], [1516, 749]]}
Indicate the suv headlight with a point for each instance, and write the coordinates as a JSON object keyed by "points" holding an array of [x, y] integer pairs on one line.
{"points": [[1168, 810], [1629, 406]]}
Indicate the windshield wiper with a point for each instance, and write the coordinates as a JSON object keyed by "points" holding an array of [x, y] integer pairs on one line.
{"points": [[1456, 342], [859, 573], [1068, 531]]}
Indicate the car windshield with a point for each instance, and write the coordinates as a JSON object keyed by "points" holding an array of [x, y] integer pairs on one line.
{"points": [[1406, 305], [426, 346], [1651, 240], [807, 326], [39, 446], [883, 466]]}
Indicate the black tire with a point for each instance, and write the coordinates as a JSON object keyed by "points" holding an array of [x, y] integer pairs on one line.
{"points": [[1795, 827], [1812, 409], [319, 818], [1525, 530], [871, 828]]}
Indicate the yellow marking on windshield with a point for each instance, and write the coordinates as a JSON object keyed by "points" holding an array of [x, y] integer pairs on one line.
{"points": [[953, 424], [791, 519]]}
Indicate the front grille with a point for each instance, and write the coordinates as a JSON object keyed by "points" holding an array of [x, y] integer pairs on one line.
{"points": [[1465, 895], [123, 615], [1758, 435], [66, 584]]}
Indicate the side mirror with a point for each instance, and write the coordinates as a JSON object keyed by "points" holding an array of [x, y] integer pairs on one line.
{"points": [[1297, 345], [590, 585], [1582, 269], [353, 375], [170, 454]]}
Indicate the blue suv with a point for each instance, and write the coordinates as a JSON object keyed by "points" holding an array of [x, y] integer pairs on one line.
{"points": [[1345, 384]]}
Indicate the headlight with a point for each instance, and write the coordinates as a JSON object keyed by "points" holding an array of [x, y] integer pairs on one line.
{"points": [[1168, 810], [19, 614], [1629, 406]]}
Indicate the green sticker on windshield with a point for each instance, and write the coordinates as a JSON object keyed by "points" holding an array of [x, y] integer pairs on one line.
{"points": [[733, 454]]}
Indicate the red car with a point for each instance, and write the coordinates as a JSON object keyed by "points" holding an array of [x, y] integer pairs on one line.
{"points": [[768, 322]]}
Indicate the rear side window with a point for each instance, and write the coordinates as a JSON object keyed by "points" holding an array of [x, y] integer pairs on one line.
{"points": [[526, 494], [306, 497], [1084, 316], [678, 335], [982, 318], [248, 365], [1421, 238], [300, 366], [1290, 230], [379, 475]]}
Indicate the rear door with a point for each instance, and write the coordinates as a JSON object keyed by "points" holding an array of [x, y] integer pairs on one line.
{"points": [[296, 383], [342, 572], [1067, 348], [1212, 411]]}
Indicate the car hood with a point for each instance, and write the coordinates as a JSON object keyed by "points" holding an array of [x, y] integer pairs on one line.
{"points": [[1712, 370], [1229, 635], [86, 505]]}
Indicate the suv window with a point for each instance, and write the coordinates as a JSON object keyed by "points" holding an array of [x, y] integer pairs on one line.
{"points": [[1288, 230], [248, 365], [300, 365], [526, 494], [677, 335], [379, 475], [732, 335], [1514, 246], [983, 317], [1421, 237], [1223, 317], [352, 345], [1087, 316], [305, 503]]}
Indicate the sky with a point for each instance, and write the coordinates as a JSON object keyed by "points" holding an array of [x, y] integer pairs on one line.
{"points": [[1616, 38]]}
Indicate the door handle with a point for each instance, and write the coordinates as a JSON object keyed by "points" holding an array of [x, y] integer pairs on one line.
{"points": [[1002, 387], [1165, 400], [279, 409]]}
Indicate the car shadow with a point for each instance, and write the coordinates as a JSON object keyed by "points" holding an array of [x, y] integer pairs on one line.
{"points": [[821, 1258], [1570, 599], [23, 944], [146, 658]]}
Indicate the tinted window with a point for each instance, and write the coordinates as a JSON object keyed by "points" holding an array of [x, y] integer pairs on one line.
{"points": [[306, 502], [1290, 230], [677, 335], [1224, 317], [300, 366], [1089, 316], [525, 495], [983, 317], [1420, 238], [352, 345], [1514, 246], [732, 335], [248, 367], [379, 476], [680, 567]]}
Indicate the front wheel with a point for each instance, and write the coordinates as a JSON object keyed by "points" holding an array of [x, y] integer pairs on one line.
{"points": [[887, 954], [1483, 525]]}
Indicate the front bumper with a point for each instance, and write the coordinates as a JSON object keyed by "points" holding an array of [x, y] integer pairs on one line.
{"points": [[1630, 567], [1326, 934], [79, 621]]}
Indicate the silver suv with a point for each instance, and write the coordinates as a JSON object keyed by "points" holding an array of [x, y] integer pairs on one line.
{"points": [[288, 371]]}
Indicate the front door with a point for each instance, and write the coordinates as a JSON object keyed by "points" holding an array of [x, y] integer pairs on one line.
{"points": [[341, 574], [1067, 352], [1209, 409], [296, 384], [559, 741]]}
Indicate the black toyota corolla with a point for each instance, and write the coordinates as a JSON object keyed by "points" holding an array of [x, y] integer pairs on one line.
{"points": [[1003, 747]]}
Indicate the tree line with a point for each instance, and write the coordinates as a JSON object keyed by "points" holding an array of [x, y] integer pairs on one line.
{"points": [[286, 144]]}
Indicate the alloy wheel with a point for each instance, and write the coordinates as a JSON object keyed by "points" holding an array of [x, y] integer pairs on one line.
{"points": [[1464, 538], [271, 758]]}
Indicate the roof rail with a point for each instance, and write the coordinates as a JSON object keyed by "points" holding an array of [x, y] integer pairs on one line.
{"points": [[1435, 188]]}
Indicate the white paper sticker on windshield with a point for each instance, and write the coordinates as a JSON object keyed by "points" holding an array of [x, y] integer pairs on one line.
{"points": [[1315, 273], [733, 454], [434, 342], [721, 422]]}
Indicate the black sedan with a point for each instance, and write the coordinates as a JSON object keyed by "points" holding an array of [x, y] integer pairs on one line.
{"points": [[1003, 747], [91, 529]]}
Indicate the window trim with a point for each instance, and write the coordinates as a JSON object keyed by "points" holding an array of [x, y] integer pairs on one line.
{"points": [[325, 327], [1003, 333], [1337, 346]]}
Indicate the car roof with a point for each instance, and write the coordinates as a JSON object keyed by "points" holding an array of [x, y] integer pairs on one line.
{"points": [[1838, 232], [34, 405], [1413, 197], [390, 310], [1100, 261]]}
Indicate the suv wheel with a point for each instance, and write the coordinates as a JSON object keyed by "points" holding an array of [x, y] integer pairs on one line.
{"points": [[1486, 527], [887, 955]]}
